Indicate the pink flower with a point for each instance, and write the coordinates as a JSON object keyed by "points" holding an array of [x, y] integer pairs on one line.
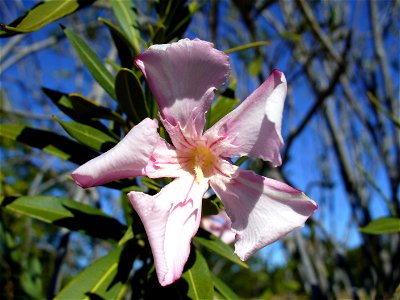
{"points": [[220, 226], [183, 77]]}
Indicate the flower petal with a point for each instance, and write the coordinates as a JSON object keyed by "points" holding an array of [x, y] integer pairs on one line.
{"points": [[165, 162], [183, 77], [128, 158], [220, 226], [254, 127], [171, 218], [261, 210]]}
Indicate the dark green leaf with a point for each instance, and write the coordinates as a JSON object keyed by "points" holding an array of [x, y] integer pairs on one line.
{"points": [[122, 43], [223, 289], [215, 245], [82, 109], [209, 207], [125, 12], [89, 136], [92, 62], [97, 281], [42, 14], [49, 142], [130, 95], [66, 213], [382, 226], [198, 277], [87, 108]]}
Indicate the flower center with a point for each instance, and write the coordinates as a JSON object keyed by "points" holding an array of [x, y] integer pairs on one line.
{"points": [[202, 162]]}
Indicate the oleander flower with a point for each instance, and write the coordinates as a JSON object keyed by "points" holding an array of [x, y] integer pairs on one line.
{"points": [[220, 226], [183, 77]]}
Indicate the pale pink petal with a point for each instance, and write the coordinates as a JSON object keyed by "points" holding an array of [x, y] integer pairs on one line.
{"points": [[254, 127], [183, 77], [220, 226], [166, 162], [128, 158], [171, 218], [261, 210]]}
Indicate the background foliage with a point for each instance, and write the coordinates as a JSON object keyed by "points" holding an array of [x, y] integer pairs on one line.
{"points": [[69, 91]]}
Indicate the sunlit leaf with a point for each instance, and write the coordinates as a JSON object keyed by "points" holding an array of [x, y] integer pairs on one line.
{"points": [[130, 95], [255, 66], [92, 62], [127, 236], [96, 281], [42, 14], [199, 279], [221, 107], [223, 289], [49, 142], [89, 136], [215, 245], [66, 213], [246, 46], [382, 226], [125, 12], [151, 184]]}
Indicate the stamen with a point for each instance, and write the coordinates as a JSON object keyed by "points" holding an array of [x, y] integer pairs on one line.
{"points": [[199, 173]]}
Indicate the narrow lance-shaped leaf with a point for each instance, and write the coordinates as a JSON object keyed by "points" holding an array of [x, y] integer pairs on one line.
{"points": [[126, 15], [97, 281], [89, 136], [130, 95], [42, 14], [87, 108], [215, 245], [382, 226], [92, 62], [122, 43], [198, 277], [49, 142], [81, 109], [66, 213], [223, 289]]}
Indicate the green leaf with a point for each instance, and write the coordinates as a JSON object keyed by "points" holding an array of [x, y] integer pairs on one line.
{"points": [[62, 101], [151, 184], [87, 108], [246, 46], [221, 107], [89, 136], [92, 62], [66, 213], [97, 281], [128, 235], [49, 142], [223, 289], [198, 277], [382, 226], [122, 43], [125, 12], [81, 109], [130, 95], [255, 67], [209, 207], [215, 245], [42, 14]]}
